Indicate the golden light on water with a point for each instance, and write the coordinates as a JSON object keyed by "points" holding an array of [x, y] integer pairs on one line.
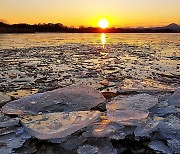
{"points": [[103, 23], [103, 39]]}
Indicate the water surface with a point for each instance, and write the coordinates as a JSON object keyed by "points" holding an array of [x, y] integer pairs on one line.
{"points": [[44, 61]]}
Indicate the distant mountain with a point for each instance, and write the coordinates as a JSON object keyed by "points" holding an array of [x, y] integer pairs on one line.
{"points": [[174, 27]]}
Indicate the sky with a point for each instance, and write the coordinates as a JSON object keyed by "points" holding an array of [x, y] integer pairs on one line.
{"points": [[119, 13]]}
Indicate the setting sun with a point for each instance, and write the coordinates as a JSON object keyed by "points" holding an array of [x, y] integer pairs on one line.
{"points": [[103, 23]]}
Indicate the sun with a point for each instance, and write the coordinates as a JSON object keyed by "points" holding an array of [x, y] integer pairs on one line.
{"points": [[103, 23]]}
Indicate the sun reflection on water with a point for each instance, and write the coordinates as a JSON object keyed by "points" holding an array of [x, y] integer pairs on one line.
{"points": [[103, 39]]}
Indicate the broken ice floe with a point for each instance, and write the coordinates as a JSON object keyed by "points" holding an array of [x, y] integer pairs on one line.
{"points": [[174, 144], [72, 98], [6, 121], [4, 99], [148, 127], [100, 146], [163, 108], [175, 99], [87, 149], [106, 128], [129, 110], [72, 141], [12, 141], [128, 116], [171, 123], [139, 102], [57, 125], [160, 147]]}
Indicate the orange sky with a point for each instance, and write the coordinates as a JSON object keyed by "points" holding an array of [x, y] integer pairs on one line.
{"points": [[88, 12]]}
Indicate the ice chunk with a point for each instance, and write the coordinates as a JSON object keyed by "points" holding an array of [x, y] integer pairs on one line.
{"points": [[12, 140], [58, 125], [72, 98], [170, 127], [87, 149], [175, 98], [5, 150], [72, 142], [58, 140], [162, 108], [104, 145], [4, 131], [162, 111], [169, 134], [8, 130], [156, 136], [163, 96], [139, 102], [106, 128], [27, 148], [99, 146], [127, 116], [150, 126], [160, 147], [130, 110], [6, 121], [171, 123], [174, 144], [4, 99]]}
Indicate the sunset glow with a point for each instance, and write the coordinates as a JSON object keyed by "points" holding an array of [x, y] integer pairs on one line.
{"points": [[119, 13]]}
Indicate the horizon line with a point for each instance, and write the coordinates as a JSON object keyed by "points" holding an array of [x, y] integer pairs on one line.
{"points": [[88, 26]]}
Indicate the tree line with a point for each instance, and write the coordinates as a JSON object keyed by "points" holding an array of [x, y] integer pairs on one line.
{"points": [[60, 28]]}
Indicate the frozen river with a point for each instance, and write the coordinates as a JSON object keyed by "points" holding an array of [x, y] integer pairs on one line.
{"points": [[44, 61]]}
